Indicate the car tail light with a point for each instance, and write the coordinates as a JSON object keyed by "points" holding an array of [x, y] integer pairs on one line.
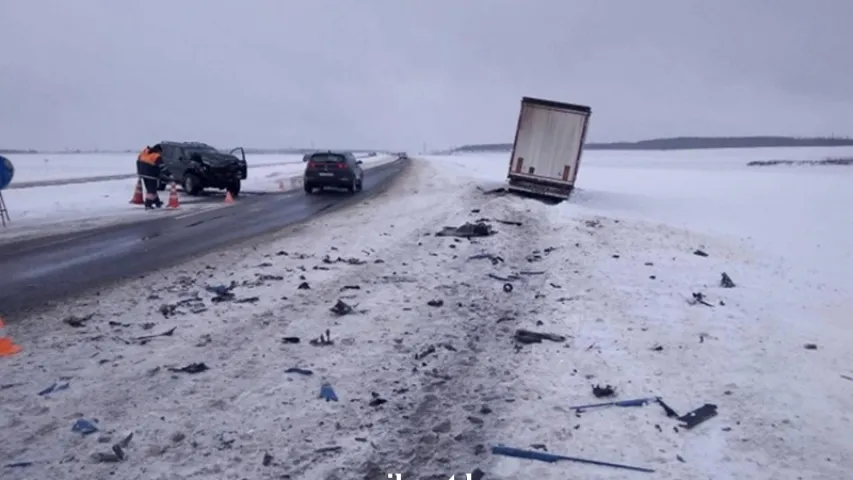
{"points": [[312, 165], [342, 165]]}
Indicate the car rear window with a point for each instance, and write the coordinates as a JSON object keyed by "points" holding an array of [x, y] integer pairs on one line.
{"points": [[327, 158]]}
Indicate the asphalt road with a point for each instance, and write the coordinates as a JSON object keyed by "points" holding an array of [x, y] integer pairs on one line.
{"points": [[36, 273]]}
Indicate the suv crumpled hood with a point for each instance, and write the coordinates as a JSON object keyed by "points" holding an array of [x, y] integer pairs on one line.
{"points": [[220, 160]]}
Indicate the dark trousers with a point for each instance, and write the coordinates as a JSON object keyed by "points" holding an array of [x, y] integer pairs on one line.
{"points": [[150, 187]]}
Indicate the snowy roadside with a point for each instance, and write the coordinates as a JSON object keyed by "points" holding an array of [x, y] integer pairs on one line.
{"points": [[223, 421], [248, 417]]}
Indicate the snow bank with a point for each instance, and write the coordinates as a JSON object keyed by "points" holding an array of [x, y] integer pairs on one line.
{"points": [[616, 285]]}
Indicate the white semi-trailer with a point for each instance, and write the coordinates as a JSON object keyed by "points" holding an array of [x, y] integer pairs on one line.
{"points": [[547, 149]]}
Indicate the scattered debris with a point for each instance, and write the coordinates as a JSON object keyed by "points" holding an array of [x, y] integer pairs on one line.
{"points": [[510, 278], [699, 297], [847, 377], [425, 352], [508, 287], [248, 300], [290, 340], [495, 259], [18, 465], [84, 427], [222, 293], [321, 340], [327, 393], [77, 322], [532, 272], [700, 253], [350, 287], [605, 391], [657, 348], [726, 281], [267, 460], [528, 337], [691, 419], [551, 458], [436, 303], [810, 346], [329, 449], [303, 286], [467, 230], [376, 400], [192, 368], [341, 308], [509, 222], [145, 338], [167, 310], [56, 387], [265, 277], [351, 261], [116, 455], [300, 371]]}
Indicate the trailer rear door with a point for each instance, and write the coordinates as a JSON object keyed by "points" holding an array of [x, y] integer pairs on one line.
{"points": [[548, 142]]}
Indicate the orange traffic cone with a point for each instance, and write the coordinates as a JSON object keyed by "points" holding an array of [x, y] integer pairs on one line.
{"points": [[7, 346], [137, 194], [228, 197], [173, 197]]}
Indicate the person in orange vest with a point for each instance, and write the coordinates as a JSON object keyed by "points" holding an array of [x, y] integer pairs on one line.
{"points": [[150, 167]]}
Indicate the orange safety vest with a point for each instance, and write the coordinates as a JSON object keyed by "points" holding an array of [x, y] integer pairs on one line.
{"points": [[146, 156]]}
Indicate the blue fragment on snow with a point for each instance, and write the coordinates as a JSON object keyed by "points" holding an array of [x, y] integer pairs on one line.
{"points": [[327, 393], [84, 426]]}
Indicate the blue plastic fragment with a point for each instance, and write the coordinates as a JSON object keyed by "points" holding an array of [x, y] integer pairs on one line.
{"points": [[551, 458], [84, 426], [637, 402], [327, 393]]}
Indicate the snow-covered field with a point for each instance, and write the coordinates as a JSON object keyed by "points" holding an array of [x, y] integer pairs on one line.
{"points": [[617, 269], [56, 208]]}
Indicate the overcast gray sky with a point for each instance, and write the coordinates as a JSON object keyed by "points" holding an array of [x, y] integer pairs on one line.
{"points": [[398, 73]]}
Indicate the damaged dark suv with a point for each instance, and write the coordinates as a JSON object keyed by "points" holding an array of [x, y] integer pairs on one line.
{"points": [[197, 166]]}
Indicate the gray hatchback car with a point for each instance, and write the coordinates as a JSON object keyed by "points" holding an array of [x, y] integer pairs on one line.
{"points": [[333, 170]]}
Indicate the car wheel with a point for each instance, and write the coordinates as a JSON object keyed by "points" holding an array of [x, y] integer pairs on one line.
{"points": [[192, 184], [360, 185], [353, 186], [308, 189], [234, 188]]}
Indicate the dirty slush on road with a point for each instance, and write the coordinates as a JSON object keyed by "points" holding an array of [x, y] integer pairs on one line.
{"points": [[380, 348]]}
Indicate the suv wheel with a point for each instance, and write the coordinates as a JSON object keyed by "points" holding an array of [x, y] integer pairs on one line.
{"points": [[353, 186], [192, 184], [308, 189], [360, 185]]}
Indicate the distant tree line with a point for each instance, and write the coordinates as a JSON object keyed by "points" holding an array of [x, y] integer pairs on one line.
{"points": [[688, 143]]}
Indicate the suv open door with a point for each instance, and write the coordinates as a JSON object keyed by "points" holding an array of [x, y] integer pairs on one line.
{"points": [[244, 171], [242, 155]]}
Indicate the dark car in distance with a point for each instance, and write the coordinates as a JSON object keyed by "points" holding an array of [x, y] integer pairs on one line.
{"points": [[197, 166], [333, 170]]}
